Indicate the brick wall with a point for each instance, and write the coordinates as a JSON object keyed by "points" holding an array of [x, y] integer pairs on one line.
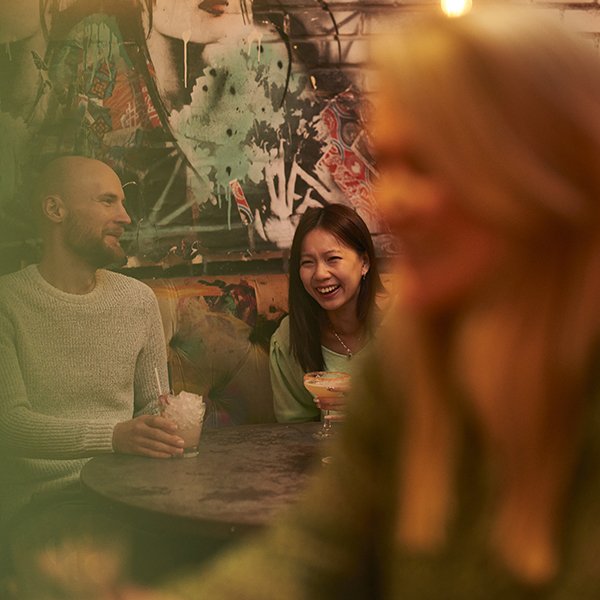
{"points": [[357, 20]]}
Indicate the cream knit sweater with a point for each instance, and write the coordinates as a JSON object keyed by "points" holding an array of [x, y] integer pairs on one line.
{"points": [[71, 367]]}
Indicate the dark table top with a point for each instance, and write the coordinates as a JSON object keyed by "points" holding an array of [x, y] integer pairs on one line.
{"points": [[240, 478]]}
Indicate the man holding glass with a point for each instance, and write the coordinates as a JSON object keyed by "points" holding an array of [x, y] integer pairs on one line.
{"points": [[79, 349]]}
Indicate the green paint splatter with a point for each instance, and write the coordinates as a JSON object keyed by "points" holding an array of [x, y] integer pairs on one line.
{"points": [[234, 120]]}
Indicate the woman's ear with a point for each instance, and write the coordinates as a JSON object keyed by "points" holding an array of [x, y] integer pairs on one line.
{"points": [[365, 267], [53, 208]]}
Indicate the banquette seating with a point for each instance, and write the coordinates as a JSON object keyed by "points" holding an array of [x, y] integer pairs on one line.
{"points": [[217, 330]]}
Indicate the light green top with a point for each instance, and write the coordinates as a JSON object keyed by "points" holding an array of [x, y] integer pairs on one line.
{"points": [[71, 367], [291, 400]]}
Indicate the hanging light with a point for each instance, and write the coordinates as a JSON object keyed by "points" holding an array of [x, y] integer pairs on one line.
{"points": [[456, 8]]}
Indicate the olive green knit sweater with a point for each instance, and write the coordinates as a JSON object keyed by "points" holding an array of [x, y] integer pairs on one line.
{"points": [[71, 367]]}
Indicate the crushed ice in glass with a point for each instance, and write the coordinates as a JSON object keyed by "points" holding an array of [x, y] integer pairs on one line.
{"points": [[186, 409]]}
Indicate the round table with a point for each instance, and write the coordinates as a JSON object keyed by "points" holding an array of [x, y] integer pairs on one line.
{"points": [[241, 477]]}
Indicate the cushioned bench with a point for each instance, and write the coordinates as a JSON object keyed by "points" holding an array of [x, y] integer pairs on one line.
{"points": [[217, 330]]}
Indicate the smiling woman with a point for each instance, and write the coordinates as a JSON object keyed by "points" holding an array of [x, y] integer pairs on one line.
{"points": [[331, 273], [333, 284]]}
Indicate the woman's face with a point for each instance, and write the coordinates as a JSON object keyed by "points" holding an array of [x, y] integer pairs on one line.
{"points": [[199, 21], [331, 271], [446, 254]]}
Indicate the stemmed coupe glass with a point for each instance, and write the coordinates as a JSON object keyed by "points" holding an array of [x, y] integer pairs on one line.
{"points": [[326, 384]]}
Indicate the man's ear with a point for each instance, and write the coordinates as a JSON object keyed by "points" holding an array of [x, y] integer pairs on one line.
{"points": [[53, 208]]}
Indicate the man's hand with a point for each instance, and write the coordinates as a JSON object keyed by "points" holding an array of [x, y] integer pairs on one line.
{"points": [[147, 435]]}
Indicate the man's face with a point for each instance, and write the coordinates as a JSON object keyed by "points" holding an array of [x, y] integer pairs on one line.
{"points": [[96, 216]]}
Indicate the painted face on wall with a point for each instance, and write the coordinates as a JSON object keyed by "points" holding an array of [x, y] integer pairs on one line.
{"points": [[201, 22], [331, 271], [446, 253]]}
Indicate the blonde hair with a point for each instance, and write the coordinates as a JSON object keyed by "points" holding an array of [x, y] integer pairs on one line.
{"points": [[506, 106]]}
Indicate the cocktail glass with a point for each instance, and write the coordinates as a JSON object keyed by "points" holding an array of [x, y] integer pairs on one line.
{"points": [[326, 384]]}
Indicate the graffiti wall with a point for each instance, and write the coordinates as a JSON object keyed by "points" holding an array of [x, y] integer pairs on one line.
{"points": [[224, 119]]}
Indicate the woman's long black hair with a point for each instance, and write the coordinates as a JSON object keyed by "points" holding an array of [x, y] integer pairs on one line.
{"points": [[305, 314]]}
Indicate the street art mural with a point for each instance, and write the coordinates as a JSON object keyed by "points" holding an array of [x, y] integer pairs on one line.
{"points": [[225, 120]]}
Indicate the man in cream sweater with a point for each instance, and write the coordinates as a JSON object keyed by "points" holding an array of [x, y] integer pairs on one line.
{"points": [[79, 346]]}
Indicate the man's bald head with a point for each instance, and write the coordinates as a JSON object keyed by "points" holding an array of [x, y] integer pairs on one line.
{"points": [[80, 203], [70, 178]]}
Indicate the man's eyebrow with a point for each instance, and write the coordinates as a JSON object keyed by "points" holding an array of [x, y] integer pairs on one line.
{"points": [[109, 196]]}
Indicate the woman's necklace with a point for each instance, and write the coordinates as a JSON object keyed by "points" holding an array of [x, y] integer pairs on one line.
{"points": [[341, 341]]}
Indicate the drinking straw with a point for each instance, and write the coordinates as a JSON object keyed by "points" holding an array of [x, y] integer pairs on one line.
{"points": [[157, 381]]}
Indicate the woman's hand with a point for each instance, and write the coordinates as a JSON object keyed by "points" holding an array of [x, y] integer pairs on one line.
{"points": [[336, 401], [331, 402]]}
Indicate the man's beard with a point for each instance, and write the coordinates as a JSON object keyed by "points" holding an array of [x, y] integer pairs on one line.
{"points": [[92, 249]]}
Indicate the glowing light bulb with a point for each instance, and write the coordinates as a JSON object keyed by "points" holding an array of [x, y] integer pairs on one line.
{"points": [[456, 8]]}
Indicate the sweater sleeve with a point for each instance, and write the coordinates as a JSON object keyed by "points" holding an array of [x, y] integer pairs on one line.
{"points": [[26, 432], [151, 360], [329, 544], [291, 400]]}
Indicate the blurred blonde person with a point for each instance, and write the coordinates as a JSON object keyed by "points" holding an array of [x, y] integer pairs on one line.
{"points": [[478, 476], [489, 141]]}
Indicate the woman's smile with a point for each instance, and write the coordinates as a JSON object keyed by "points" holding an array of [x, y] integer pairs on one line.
{"points": [[328, 290]]}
